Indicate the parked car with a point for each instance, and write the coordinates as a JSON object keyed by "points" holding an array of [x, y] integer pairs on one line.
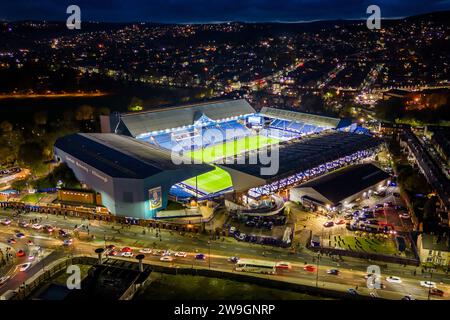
{"points": [[20, 253], [180, 254], [48, 228], [408, 297], [127, 254], [63, 233], [166, 259], [20, 235], [113, 253], [36, 226], [23, 224], [11, 241], [67, 242], [6, 222], [126, 249], [404, 216], [328, 224], [341, 221], [145, 250]]}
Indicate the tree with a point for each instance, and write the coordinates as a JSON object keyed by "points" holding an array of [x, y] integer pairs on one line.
{"points": [[6, 127], [136, 104], [30, 154], [40, 118], [84, 113], [391, 109]]}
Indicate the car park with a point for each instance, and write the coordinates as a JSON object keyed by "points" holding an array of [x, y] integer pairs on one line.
{"points": [[428, 284]]}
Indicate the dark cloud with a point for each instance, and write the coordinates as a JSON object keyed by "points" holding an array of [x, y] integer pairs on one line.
{"points": [[214, 10]]}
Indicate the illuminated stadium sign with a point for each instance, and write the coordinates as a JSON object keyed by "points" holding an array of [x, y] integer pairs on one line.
{"points": [[155, 198]]}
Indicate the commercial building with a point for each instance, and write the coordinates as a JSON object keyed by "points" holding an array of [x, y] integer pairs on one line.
{"points": [[341, 187]]}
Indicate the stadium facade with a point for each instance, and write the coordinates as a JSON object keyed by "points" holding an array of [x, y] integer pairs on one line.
{"points": [[131, 163]]}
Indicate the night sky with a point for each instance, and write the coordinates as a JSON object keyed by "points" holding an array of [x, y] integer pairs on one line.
{"points": [[198, 11]]}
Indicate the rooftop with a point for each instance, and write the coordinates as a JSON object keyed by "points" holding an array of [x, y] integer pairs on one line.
{"points": [[346, 182], [120, 156], [185, 115], [434, 242], [309, 152]]}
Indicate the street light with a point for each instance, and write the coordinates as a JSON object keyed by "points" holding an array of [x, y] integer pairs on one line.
{"points": [[317, 270], [209, 254]]}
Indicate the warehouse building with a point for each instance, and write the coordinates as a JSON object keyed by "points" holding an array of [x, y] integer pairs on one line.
{"points": [[339, 188]]}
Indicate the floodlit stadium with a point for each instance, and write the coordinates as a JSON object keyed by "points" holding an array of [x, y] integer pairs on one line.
{"points": [[208, 150]]}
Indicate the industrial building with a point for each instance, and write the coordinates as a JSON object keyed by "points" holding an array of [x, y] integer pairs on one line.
{"points": [[339, 188]]}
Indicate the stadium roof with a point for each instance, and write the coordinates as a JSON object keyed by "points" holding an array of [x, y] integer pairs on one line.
{"points": [[307, 153], [320, 121], [179, 116], [346, 182], [121, 156]]}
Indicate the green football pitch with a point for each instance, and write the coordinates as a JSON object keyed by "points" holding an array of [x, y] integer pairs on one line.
{"points": [[218, 179], [231, 148]]}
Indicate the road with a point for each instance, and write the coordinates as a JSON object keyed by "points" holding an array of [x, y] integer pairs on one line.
{"points": [[351, 275]]}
